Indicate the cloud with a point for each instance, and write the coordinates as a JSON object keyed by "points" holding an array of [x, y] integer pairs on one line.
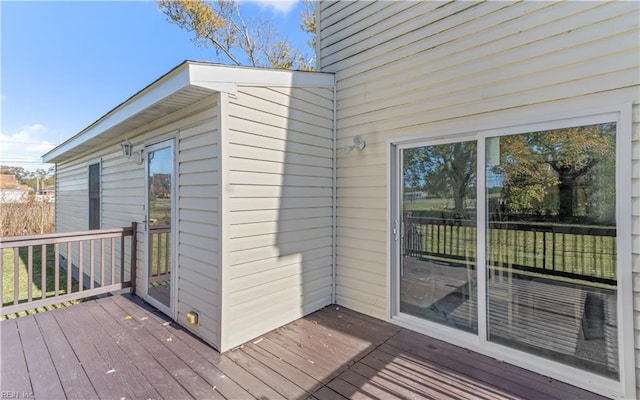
{"points": [[26, 147], [278, 6]]}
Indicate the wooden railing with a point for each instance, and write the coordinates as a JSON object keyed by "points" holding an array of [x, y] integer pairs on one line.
{"points": [[160, 242], [587, 253], [43, 270]]}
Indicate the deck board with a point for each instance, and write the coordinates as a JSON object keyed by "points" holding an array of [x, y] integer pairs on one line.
{"points": [[44, 378], [14, 374], [119, 347], [181, 371], [152, 370], [108, 367], [72, 376]]}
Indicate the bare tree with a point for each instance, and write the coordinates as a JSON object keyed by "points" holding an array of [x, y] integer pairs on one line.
{"points": [[220, 24]]}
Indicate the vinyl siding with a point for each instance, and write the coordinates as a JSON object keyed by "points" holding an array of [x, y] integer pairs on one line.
{"points": [[198, 223], [423, 68], [72, 197], [279, 217], [123, 201]]}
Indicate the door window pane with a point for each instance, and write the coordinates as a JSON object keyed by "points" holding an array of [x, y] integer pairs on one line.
{"points": [[438, 227], [160, 175], [551, 245]]}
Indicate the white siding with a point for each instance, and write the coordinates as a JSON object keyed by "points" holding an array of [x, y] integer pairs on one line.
{"points": [[72, 197], [421, 68], [198, 223], [279, 217], [123, 201]]}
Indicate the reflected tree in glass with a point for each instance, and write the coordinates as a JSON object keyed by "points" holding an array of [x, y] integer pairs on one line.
{"points": [[551, 245]]}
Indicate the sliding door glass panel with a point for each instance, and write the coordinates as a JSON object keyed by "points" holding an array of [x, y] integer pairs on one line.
{"points": [[551, 245], [438, 234]]}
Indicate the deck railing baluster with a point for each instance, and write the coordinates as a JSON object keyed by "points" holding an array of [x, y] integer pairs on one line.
{"points": [[122, 244], [56, 282], [91, 264], [16, 274], [101, 262], [43, 271], [68, 266], [80, 266], [113, 261], [30, 273], [25, 272], [167, 249]]}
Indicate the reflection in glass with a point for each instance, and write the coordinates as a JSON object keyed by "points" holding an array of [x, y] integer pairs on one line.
{"points": [[438, 261], [551, 245], [159, 220]]}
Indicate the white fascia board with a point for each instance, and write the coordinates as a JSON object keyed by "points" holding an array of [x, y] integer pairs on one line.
{"points": [[212, 75], [160, 89]]}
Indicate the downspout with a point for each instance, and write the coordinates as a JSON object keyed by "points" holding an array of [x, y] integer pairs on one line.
{"points": [[335, 197]]}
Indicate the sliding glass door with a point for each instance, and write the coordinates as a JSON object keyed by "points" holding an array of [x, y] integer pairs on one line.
{"points": [[438, 217], [511, 238]]}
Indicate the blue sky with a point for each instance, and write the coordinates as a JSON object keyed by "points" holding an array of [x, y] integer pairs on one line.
{"points": [[65, 64]]}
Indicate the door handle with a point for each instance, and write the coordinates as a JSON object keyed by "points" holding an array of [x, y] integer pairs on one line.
{"points": [[396, 235]]}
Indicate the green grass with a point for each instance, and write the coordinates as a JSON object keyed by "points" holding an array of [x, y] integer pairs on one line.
{"points": [[8, 275]]}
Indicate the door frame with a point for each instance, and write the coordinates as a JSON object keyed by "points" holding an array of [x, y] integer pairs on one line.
{"points": [[622, 115], [169, 142]]}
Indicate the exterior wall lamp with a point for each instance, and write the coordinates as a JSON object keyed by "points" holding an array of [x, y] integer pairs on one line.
{"points": [[127, 152], [358, 143], [127, 148]]}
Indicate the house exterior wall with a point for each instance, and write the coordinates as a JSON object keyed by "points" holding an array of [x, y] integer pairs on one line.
{"points": [[123, 201], [418, 68], [278, 208], [198, 223]]}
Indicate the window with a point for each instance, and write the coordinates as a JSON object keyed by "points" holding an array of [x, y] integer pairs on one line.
{"points": [[94, 196]]}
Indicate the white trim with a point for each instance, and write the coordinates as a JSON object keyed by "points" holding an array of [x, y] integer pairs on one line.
{"points": [[481, 241], [318, 49], [622, 115], [334, 188], [211, 75], [625, 248], [223, 121]]}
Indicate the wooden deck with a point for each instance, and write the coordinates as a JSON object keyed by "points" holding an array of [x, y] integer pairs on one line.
{"points": [[119, 347]]}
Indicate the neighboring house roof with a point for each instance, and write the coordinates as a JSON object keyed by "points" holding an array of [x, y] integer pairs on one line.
{"points": [[184, 85]]}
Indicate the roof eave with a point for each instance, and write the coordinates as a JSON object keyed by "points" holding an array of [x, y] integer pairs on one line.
{"points": [[212, 78]]}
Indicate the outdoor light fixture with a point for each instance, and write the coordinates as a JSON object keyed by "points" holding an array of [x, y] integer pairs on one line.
{"points": [[127, 151], [127, 148], [358, 143]]}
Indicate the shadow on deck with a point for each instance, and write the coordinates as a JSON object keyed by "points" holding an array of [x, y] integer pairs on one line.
{"points": [[120, 347]]}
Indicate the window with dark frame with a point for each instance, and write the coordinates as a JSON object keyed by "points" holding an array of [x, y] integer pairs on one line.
{"points": [[94, 196]]}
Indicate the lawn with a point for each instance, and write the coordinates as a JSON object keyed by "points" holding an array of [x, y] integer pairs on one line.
{"points": [[8, 275]]}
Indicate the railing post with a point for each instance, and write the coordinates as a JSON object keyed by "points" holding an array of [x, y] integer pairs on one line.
{"points": [[134, 251]]}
